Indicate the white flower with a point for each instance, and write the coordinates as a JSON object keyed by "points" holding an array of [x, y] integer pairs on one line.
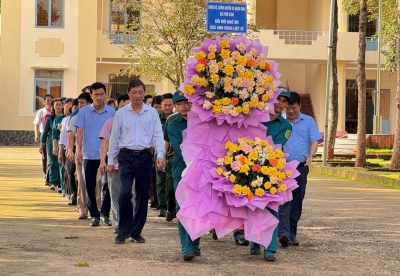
{"points": [[274, 179], [266, 107], [259, 181], [210, 95], [254, 184], [234, 113], [207, 105], [220, 161], [226, 174]]}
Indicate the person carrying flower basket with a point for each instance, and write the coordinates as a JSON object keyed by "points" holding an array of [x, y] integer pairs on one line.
{"points": [[190, 248], [280, 130]]}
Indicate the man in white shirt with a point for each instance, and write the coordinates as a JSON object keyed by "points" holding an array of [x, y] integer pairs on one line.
{"points": [[135, 130], [39, 122]]}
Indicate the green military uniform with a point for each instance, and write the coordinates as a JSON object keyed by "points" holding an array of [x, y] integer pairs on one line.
{"points": [[174, 130], [170, 157], [161, 176], [280, 130]]}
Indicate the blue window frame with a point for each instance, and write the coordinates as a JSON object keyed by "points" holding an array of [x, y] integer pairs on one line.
{"points": [[47, 82], [49, 14]]}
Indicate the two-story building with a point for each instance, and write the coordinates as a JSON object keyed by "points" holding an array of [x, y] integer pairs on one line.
{"points": [[60, 46]]}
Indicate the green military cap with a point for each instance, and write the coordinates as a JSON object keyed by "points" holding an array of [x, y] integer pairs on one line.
{"points": [[178, 96], [285, 92]]}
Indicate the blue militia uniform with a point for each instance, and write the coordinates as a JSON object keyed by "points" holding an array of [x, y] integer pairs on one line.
{"points": [[280, 130], [174, 130]]}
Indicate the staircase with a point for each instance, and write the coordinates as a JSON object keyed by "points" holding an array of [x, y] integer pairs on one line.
{"points": [[343, 145], [306, 105]]}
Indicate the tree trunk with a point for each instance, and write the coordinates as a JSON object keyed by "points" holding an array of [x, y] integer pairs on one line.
{"points": [[395, 164], [333, 98], [361, 128]]}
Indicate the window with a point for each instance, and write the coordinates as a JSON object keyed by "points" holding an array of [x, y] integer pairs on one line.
{"points": [[120, 83], [47, 82], [123, 22], [49, 13], [371, 44]]}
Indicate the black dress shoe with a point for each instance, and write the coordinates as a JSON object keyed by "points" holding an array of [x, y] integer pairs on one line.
{"points": [[197, 253], [95, 222], [116, 230], [162, 213], [137, 239], [294, 242], [120, 238], [169, 216], [188, 256], [284, 240], [106, 221], [242, 241]]}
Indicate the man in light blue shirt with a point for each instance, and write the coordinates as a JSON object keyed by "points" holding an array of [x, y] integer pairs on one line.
{"points": [[90, 121], [135, 130], [301, 146]]}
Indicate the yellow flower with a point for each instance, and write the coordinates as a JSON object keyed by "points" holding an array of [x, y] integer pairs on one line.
{"points": [[253, 155], [266, 83], [241, 60], [228, 144], [237, 189], [264, 143], [273, 171], [228, 70], [217, 109], [272, 190], [248, 162], [234, 148], [225, 43], [253, 103], [200, 55], [271, 155], [265, 97], [225, 54], [245, 169], [228, 160], [218, 102], [259, 192], [281, 164], [232, 178], [279, 153], [220, 171], [265, 170], [282, 188], [220, 65], [261, 65], [239, 109], [214, 78], [200, 67], [267, 185], [289, 173], [202, 82], [226, 101], [246, 110], [249, 75], [245, 190], [188, 89], [281, 176], [211, 55]]}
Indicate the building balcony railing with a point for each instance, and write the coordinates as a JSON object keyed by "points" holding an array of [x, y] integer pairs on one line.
{"points": [[371, 44], [298, 37], [120, 37]]}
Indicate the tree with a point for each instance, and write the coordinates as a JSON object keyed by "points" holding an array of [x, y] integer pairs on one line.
{"points": [[395, 163], [333, 97], [362, 99], [164, 38]]}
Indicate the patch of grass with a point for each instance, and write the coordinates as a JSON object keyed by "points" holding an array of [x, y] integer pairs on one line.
{"points": [[374, 150]]}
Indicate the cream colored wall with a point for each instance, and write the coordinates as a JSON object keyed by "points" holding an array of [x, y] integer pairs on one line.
{"points": [[292, 14], [266, 12], [29, 59], [9, 71]]}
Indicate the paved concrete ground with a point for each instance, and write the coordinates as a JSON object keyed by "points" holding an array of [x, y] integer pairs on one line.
{"points": [[347, 228]]}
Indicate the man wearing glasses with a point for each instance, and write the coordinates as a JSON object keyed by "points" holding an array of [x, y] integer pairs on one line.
{"points": [[301, 146]]}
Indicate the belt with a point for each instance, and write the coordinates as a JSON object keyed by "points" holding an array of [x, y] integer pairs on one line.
{"points": [[301, 164], [135, 152]]}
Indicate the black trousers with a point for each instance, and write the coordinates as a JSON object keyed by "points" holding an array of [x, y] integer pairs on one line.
{"points": [[90, 168], [133, 168], [70, 183]]}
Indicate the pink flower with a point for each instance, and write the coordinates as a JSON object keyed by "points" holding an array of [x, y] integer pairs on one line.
{"points": [[245, 83], [247, 149], [236, 166]]}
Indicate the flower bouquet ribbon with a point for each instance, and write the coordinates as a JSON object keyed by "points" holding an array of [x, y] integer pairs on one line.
{"points": [[234, 172]]}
